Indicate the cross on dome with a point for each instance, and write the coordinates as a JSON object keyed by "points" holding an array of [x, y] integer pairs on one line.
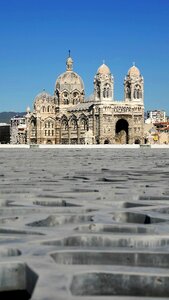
{"points": [[69, 63]]}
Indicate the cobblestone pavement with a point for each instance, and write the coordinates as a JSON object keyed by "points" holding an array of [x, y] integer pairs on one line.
{"points": [[84, 224]]}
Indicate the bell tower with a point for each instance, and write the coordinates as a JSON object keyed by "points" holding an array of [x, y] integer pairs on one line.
{"points": [[103, 85], [134, 86]]}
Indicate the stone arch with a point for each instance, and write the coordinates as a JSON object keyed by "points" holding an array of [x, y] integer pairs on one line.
{"points": [[64, 123], [83, 122], [107, 141], [127, 90], [121, 131], [75, 96], [33, 121], [65, 97], [97, 90], [106, 90], [49, 120], [43, 109], [73, 130], [33, 129], [64, 130], [137, 91], [137, 141], [49, 142], [73, 122]]}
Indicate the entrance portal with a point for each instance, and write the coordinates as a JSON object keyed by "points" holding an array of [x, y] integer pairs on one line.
{"points": [[137, 141], [107, 141], [122, 132], [49, 142]]}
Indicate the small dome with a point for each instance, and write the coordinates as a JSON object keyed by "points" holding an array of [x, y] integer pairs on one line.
{"points": [[43, 96], [134, 72], [103, 69]]}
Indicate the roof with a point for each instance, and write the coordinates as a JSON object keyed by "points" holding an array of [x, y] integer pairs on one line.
{"points": [[81, 106], [69, 80], [134, 71], [162, 123], [43, 95], [103, 69]]}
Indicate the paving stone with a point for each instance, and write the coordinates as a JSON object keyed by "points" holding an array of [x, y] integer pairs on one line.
{"points": [[84, 223]]}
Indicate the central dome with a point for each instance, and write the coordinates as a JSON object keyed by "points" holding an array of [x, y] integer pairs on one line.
{"points": [[103, 69], [69, 80]]}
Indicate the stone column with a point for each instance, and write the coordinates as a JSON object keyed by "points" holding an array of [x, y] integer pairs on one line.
{"points": [[38, 131], [58, 133], [78, 134], [101, 125], [113, 129], [69, 134], [94, 124], [132, 90]]}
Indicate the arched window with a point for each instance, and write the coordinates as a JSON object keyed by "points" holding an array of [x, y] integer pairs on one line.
{"points": [[106, 91], [137, 92], [64, 125], [98, 91], [73, 124], [84, 125], [76, 97], [128, 91], [65, 98]]}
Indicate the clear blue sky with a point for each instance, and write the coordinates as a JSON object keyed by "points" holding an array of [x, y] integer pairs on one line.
{"points": [[35, 36]]}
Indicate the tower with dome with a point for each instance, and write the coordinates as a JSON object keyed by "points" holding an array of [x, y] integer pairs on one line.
{"points": [[67, 117]]}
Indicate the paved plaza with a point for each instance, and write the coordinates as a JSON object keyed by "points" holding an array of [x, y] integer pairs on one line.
{"points": [[84, 223]]}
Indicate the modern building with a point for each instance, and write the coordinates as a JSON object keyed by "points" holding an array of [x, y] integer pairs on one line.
{"points": [[156, 116], [18, 131], [66, 117]]}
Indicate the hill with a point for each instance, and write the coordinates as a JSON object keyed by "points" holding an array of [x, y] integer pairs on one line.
{"points": [[5, 116]]}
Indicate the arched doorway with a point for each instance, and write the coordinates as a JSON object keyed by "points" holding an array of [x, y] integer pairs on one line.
{"points": [[49, 142], [122, 132], [107, 141], [137, 141]]}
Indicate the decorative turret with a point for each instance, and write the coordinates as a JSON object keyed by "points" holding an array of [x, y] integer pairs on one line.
{"points": [[103, 84], [69, 63], [134, 85]]}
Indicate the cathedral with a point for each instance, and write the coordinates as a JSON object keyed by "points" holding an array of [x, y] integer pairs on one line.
{"points": [[67, 117]]}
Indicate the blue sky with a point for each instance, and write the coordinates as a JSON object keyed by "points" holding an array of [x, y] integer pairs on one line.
{"points": [[35, 36]]}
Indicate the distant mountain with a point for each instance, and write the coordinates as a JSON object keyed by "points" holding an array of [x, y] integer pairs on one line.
{"points": [[6, 116]]}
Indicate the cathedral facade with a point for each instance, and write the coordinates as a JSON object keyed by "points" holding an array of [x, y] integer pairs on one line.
{"points": [[68, 118]]}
